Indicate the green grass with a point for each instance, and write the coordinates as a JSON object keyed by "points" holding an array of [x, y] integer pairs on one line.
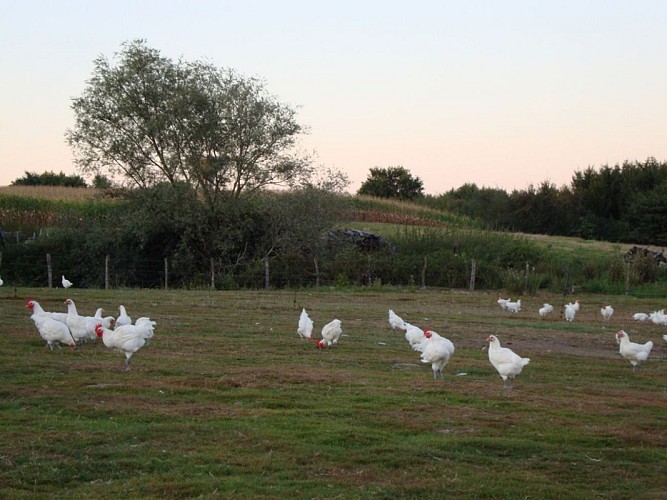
{"points": [[227, 401]]}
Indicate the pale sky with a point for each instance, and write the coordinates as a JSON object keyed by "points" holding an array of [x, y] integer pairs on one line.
{"points": [[500, 93]]}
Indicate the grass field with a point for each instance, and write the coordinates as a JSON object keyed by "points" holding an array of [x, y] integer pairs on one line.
{"points": [[58, 193], [228, 402]]}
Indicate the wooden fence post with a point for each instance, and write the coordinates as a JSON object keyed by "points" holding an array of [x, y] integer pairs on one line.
{"points": [[473, 271], [166, 274], [212, 273], [369, 272], [424, 272], [317, 272], [49, 270], [266, 272], [106, 272]]}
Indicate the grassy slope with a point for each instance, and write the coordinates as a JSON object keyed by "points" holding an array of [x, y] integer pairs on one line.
{"points": [[228, 401]]}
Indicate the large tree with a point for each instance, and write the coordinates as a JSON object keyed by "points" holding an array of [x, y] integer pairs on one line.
{"points": [[150, 119], [392, 182]]}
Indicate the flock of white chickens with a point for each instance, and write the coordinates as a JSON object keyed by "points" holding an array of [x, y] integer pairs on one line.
{"points": [[121, 334], [331, 332], [635, 353], [72, 329], [437, 350]]}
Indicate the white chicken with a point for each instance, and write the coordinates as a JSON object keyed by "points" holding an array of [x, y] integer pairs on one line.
{"points": [[640, 316], [1, 282], [66, 283], [106, 321], [331, 332], [606, 312], [35, 307], [664, 337], [503, 302], [570, 311], [514, 307], [305, 328], [505, 361], [658, 317], [413, 334], [436, 350], [123, 319], [635, 353], [127, 338], [428, 336], [576, 305], [545, 310], [396, 322], [53, 331], [78, 325]]}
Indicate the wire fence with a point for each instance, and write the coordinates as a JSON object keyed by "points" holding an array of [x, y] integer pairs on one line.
{"points": [[274, 272]]}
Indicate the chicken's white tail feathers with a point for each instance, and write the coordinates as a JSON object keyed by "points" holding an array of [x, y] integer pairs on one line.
{"points": [[525, 361]]}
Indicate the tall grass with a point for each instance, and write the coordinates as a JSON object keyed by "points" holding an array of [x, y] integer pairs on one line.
{"points": [[54, 193]]}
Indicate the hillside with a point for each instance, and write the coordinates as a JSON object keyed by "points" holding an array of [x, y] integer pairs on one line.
{"points": [[430, 247]]}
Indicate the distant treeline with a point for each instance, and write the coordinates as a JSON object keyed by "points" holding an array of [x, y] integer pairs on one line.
{"points": [[59, 179], [626, 203]]}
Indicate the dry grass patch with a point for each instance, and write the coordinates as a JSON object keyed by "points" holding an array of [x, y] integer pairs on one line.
{"points": [[52, 192]]}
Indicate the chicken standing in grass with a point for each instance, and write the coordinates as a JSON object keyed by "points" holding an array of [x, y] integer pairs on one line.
{"points": [[503, 302], [436, 350], [396, 322], [545, 310], [127, 338], [514, 307], [66, 283], [635, 353], [331, 332], [77, 324], [413, 334], [106, 321], [36, 308], [305, 328], [123, 318], [658, 317], [606, 313], [53, 331], [505, 361], [571, 311]]}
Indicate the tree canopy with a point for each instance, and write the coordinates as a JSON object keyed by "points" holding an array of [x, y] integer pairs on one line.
{"points": [[150, 119], [392, 182], [50, 179]]}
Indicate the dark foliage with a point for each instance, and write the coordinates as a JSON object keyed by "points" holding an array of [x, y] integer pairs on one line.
{"points": [[50, 179], [626, 203], [392, 182]]}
